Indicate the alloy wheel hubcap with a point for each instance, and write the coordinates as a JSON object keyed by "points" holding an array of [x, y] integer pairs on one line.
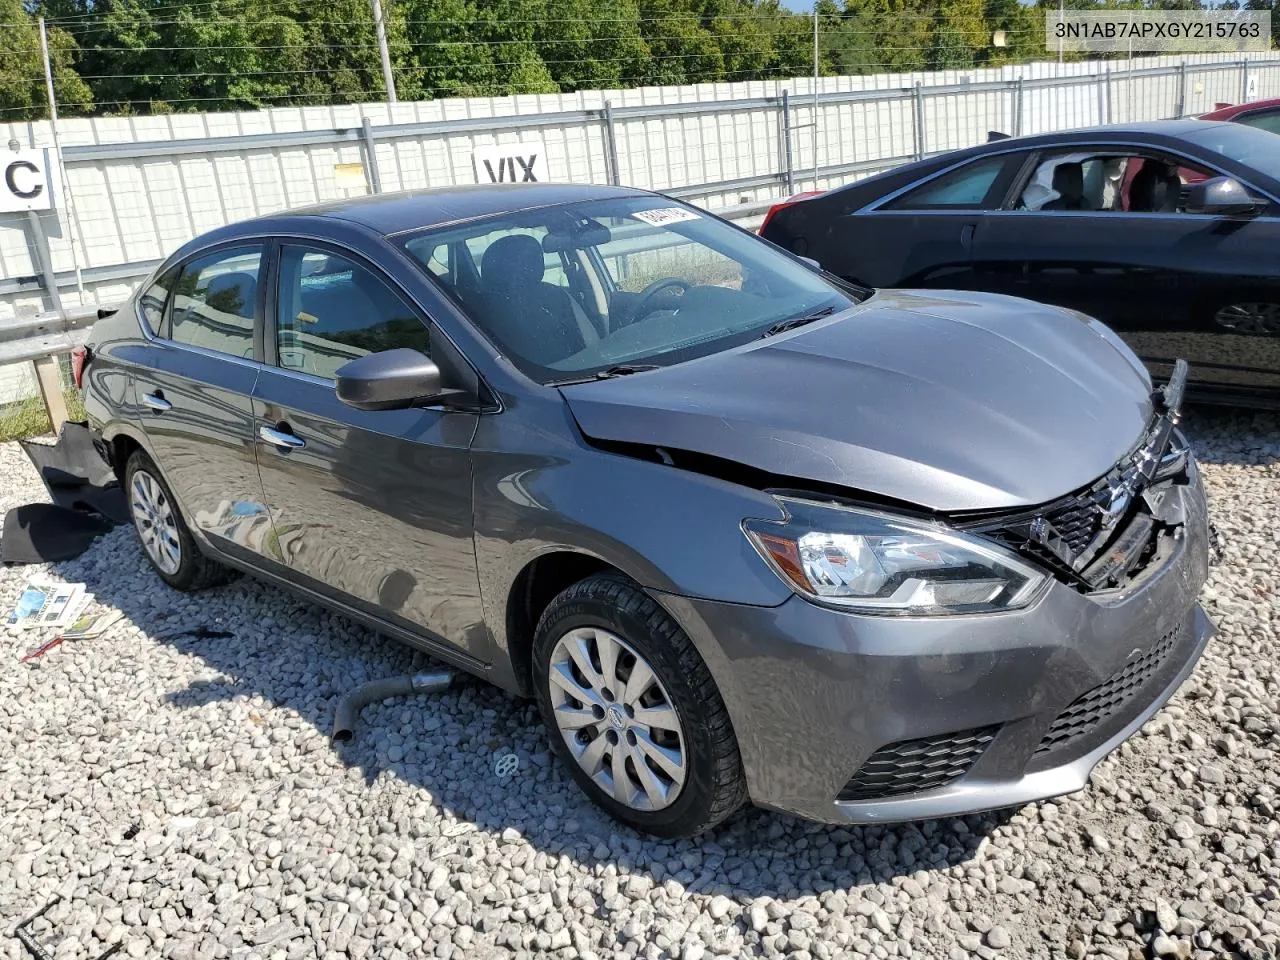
{"points": [[154, 520], [1250, 318], [616, 718]]}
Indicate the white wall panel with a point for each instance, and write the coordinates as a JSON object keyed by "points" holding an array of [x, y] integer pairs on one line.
{"points": [[134, 210]]}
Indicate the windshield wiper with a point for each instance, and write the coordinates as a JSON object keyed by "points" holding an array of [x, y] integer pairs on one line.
{"points": [[782, 326], [608, 373], [622, 369]]}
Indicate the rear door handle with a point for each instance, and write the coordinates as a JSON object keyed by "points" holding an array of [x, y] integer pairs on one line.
{"points": [[281, 439], [157, 402]]}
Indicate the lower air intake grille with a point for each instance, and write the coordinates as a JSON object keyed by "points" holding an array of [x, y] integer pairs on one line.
{"points": [[910, 766], [1096, 706]]}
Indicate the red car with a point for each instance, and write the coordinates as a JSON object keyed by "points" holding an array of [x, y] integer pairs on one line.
{"points": [[1264, 114]]}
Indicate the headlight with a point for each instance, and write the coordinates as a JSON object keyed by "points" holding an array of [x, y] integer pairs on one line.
{"points": [[879, 563]]}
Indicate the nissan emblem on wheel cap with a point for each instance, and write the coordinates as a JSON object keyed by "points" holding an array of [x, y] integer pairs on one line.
{"points": [[505, 766]]}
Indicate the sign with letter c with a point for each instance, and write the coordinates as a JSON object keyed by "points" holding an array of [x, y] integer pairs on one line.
{"points": [[28, 180]]}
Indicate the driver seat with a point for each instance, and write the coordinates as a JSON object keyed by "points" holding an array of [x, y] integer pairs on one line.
{"points": [[1155, 188], [537, 320]]}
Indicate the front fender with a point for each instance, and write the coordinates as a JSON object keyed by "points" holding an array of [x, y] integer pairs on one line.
{"points": [[542, 489]]}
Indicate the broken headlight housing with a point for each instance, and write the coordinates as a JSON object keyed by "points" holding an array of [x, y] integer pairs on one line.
{"points": [[872, 562]]}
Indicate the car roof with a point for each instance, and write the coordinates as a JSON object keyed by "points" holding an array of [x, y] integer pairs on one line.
{"points": [[392, 213]]}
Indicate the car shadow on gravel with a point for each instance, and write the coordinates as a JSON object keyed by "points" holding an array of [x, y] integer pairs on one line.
{"points": [[286, 656]]}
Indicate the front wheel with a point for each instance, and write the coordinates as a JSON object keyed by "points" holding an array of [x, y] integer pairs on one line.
{"points": [[631, 709], [163, 532]]}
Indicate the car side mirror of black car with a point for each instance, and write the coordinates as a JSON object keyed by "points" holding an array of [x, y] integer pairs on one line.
{"points": [[1221, 196], [388, 380]]}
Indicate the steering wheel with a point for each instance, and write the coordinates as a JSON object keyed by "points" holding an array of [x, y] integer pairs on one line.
{"points": [[643, 302]]}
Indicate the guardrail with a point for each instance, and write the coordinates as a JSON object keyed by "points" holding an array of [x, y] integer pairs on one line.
{"points": [[41, 340]]}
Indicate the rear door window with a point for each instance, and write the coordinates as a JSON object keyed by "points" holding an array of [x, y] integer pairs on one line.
{"points": [[216, 304]]}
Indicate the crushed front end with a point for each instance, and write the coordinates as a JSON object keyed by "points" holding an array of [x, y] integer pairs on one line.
{"points": [[846, 717]]}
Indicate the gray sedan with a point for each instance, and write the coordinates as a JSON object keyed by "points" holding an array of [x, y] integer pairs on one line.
{"points": [[743, 531]]}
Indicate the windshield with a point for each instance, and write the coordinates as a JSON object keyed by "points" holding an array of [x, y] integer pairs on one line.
{"points": [[570, 291], [1247, 145]]}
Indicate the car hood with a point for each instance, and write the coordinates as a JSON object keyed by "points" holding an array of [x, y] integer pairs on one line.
{"points": [[952, 401]]}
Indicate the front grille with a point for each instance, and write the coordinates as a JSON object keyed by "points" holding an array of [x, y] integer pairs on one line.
{"points": [[1098, 705], [1077, 521], [1100, 536], [910, 766]]}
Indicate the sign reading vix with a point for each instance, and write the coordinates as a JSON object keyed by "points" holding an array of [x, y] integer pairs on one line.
{"points": [[523, 162], [28, 180]]}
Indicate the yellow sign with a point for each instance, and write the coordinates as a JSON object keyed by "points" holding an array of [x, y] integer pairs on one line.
{"points": [[349, 174]]}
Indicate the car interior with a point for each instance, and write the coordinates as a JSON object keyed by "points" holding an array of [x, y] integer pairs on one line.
{"points": [[1109, 182], [596, 291], [326, 313]]}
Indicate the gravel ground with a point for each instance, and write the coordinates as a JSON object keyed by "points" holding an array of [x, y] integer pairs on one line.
{"points": [[183, 797]]}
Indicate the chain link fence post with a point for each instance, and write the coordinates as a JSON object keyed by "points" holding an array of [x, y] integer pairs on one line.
{"points": [[371, 155], [919, 124], [611, 146], [788, 165]]}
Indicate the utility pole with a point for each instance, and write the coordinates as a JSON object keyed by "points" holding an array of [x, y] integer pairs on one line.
{"points": [[815, 94], [383, 52], [57, 149], [1062, 22]]}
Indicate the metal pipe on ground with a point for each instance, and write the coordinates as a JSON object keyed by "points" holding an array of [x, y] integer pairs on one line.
{"points": [[348, 711]]}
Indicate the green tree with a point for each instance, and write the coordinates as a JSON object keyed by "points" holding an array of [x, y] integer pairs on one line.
{"points": [[22, 83], [681, 49]]}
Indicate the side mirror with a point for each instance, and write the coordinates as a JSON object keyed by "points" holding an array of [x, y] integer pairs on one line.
{"points": [[1221, 196], [388, 380], [811, 263]]}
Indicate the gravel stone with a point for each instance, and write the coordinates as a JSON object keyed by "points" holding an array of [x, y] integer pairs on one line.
{"points": [[183, 797]]}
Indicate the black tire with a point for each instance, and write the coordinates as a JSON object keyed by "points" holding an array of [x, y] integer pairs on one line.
{"points": [[194, 570], [715, 785]]}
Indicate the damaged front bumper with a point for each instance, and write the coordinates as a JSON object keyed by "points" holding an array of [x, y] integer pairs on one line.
{"points": [[851, 718]]}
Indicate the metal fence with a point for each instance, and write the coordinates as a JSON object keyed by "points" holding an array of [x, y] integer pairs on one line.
{"points": [[136, 188]]}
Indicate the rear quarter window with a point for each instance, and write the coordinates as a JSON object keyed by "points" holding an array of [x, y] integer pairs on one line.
{"points": [[977, 185], [152, 302]]}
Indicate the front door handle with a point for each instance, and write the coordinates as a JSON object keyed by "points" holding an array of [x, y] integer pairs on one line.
{"points": [[281, 439], [157, 402]]}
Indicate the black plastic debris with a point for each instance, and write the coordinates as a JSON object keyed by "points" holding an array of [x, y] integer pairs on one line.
{"points": [[87, 501]]}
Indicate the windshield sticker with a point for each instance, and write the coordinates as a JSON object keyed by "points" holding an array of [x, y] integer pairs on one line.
{"points": [[664, 216]]}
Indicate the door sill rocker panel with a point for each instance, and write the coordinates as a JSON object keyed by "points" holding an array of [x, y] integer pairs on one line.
{"points": [[439, 648]]}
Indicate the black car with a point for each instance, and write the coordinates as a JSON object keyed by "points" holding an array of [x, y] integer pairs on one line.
{"points": [[1165, 231]]}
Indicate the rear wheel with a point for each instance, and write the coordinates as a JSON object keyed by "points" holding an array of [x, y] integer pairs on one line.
{"points": [[165, 538], [632, 710], [1250, 318]]}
